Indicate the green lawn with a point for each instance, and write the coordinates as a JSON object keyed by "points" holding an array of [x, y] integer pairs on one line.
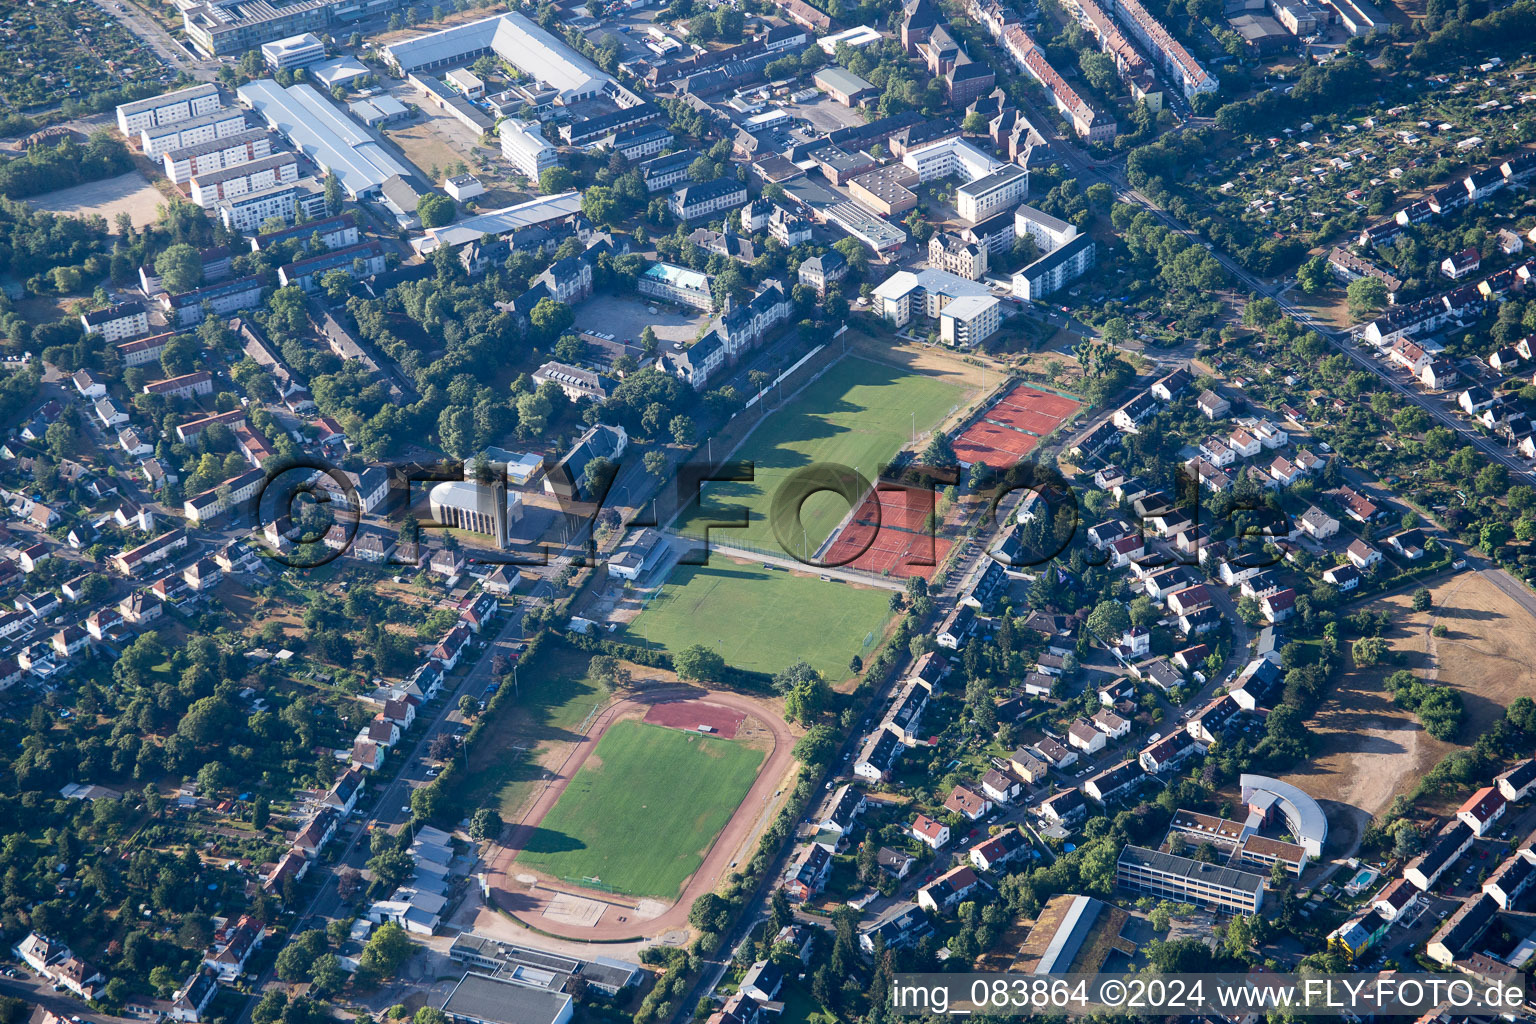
{"points": [[554, 696], [642, 810], [857, 415], [763, 620]]}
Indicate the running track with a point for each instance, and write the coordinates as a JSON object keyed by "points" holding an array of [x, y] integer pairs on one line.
{"points": [[507, 894]]}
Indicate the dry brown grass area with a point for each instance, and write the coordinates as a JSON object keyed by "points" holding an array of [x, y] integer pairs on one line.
{"points": [[1367, 750]]}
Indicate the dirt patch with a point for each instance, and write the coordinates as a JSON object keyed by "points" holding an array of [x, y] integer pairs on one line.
{"points": [[1369, 751], [129, 193], [689, 715]]}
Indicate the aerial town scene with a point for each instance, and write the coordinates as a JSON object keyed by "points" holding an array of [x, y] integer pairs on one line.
{"points": [[713, 511]]}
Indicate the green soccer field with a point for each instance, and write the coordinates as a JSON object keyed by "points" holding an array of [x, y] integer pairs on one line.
{"points": [[763, 620], [643, 809], [857, 415]]}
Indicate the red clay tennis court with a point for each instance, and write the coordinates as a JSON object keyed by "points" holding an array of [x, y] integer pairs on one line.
{"points": [[1013, 426], [1057, 406], [690, 714], [1023, 419], [998, 447], [898, 542], [902, 554]]}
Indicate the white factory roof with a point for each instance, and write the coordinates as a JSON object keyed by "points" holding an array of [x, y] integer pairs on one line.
{"points": [[499, 222], [339, 71], [514, 38], [332, 139]]}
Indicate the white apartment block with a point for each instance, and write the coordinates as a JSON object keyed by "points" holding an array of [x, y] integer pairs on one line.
{"points": [[991, 193], [904, 294], [969, 320], [1048, 232], [952, 157], [250, 211], [181, 105], [255, 176], [526, 148], [117, 323], [181, 165], [220, 123], [1055, 270], [294, 52]]}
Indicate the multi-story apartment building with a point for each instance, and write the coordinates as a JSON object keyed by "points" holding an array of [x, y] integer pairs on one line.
{"points": [[969, 320], [216, 154], [181, 105], [1186, 880], [951, 253], [251, 211], [1048, 232], [1055, 270], [219, 123], [526, 148], [186, 309], [1181, 67], [695, 202], [254, 176], [355, 261], [1087, 121], [992, 193], [115, 323], [905, 294]]}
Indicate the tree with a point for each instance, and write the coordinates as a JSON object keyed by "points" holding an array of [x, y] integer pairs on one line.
{"points": [[556, 179], [1239, 935], [296, 958], [435, 210], [387, 949], [1366, 295], [333, 194], [1313, 275], [1421, 599], [1108, 621], [180, 268], [212, 777], [468, 706], [698, 663], [600, 204], [326, 976], [655, 464], [682, 429], [1369, 651], [550, 318], [975, 123], [485, 825]]}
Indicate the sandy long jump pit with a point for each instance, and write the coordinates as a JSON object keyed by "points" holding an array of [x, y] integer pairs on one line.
{"points": [[574, 911]]}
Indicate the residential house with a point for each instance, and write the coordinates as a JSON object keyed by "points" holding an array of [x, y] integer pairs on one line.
{"points": [[934, 834]]}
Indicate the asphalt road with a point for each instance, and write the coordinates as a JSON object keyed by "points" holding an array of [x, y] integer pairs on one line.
{"points": [[170, 49]]}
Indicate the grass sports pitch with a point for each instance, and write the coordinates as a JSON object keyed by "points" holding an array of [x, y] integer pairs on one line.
{"points": [[763, 620], [858, 414], [643, 809]]}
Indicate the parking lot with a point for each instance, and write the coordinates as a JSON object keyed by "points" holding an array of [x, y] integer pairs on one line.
{"points": [[826, 114], [626, 317]]}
